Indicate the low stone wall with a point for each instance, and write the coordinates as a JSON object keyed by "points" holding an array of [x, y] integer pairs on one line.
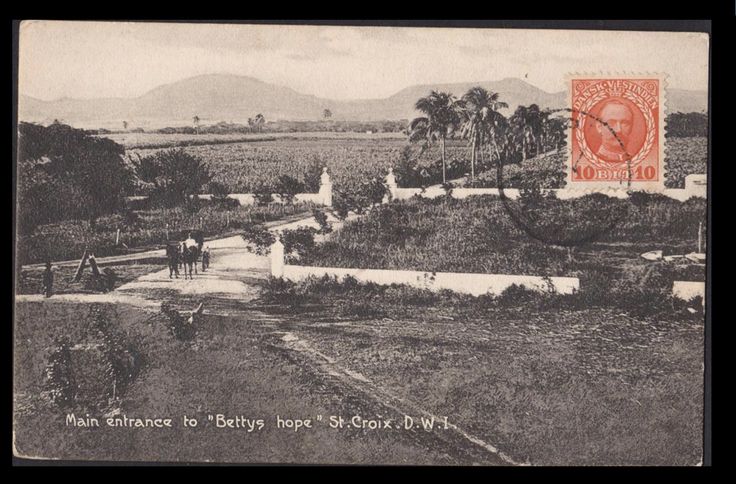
{"points": [[680, 194], [246, 199], [695, 186], [465, 283], [686, 290]]}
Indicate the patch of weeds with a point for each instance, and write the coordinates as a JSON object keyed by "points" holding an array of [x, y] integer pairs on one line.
{"points": [[181, 328]]}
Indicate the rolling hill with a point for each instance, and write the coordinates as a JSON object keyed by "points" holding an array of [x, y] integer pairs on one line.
{"points": [[219, 97]]}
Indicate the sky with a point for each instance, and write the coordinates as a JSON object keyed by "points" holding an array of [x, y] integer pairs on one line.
{"points": [[123, 59]]}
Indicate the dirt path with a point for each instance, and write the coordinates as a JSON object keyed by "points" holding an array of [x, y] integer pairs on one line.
{"points": [[231, 265], [457, 442], [233, 280]]}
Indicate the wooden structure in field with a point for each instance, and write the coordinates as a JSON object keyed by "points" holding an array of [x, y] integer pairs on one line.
{"points": [[86, 258]]}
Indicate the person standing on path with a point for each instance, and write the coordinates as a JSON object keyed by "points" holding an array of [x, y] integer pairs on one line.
{"points": [[205, 258], [172, 251], [48, 280]]}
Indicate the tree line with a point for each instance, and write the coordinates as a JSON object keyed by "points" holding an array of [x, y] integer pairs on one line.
{"points": [[64, 173], [492, 137], [687, 125]]}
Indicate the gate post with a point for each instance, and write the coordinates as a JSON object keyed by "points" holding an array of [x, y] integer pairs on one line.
{"points": [[277, 258], [392, 186], [325, 188]]}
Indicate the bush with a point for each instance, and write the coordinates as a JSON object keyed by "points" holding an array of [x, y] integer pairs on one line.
{"points": [[359, 198], [100, 369], [321, 218], [105, 282], [175, 176], [287, 187], [124, 358], [284, 293], [263, 194], [313, 176], [179, 327], [59, 384], [131, 220], [258, 238], [298, 242]]}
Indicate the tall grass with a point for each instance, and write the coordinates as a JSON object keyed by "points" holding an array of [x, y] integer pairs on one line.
{"points": [[478, 234]]}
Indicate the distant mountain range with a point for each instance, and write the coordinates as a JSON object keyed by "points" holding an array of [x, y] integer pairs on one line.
{"points": [[219, 97]]}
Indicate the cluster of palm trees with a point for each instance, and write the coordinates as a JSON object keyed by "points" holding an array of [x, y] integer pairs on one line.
{"points": [[475, 117]]}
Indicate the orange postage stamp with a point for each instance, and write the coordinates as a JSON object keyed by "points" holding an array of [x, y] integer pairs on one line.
{"points": [[617, 135]]}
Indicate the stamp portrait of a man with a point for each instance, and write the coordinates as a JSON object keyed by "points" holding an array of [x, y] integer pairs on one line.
{"points": [[614, 126]]}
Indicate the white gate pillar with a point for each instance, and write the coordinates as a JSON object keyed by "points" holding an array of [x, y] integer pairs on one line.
{"points": [[277, 258], [325, 188]]}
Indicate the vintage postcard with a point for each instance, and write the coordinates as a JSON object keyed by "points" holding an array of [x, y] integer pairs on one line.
{"points": [[313, 244]]}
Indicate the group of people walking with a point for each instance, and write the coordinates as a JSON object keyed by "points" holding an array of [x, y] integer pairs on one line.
{"points": [[180, 255], [185, 255]]}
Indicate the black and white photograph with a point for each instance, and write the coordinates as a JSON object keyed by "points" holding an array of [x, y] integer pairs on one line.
{"points": [[312, 244]]}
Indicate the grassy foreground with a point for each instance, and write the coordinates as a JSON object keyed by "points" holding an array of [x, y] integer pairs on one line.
{"points": [[236, 366], [547, 382]]}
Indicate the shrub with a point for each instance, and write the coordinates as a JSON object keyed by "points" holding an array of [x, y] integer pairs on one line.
{"points": [[359, 198], [100, 369], [131, 220], [263, 193], [313, 176], [287, 187], [516, 295], [124, 360], [105, 282], [321, 218], [179, 327], [175, 176], [60, 385], [284, 293], [298, 242], [258, 238]]}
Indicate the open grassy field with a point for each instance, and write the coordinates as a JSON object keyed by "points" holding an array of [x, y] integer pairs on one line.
{"points": [[356, 157], [226, 370], [173, 140], [545, 386], [546, 382], [549, 387], [243, 166]]}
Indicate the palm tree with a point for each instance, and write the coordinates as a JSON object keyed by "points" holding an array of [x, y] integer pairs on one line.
{"points": [[554, 127], [442, 116], [195, 120], [480, 108], [259, 121], [527, 123]]}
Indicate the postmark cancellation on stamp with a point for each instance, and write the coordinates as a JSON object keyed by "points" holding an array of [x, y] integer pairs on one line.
{"points": [[617, 132]]}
